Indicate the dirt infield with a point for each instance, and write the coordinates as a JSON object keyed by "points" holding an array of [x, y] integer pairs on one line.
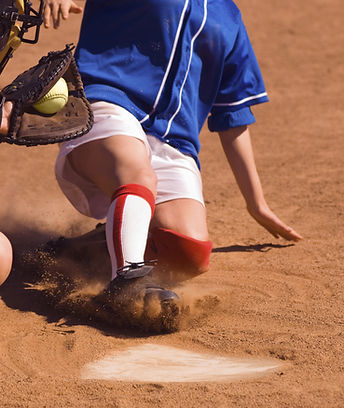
{"points": [[273, 299]]}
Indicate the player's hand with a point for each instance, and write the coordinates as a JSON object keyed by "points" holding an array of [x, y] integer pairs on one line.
{"points": [[54, 10], [265, 217]]}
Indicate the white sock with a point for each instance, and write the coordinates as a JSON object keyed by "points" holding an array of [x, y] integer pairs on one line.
{"points": [[127, 225]]}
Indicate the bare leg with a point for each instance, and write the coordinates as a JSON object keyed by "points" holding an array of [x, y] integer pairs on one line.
{"points": [[112, 162], [120, 167], [178, 227], [179, 240], [184, 216]]}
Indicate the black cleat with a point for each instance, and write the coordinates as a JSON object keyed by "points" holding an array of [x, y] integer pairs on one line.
{"points": [[134, 295]]}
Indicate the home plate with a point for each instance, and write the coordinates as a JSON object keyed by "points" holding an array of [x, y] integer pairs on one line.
{"points": [[153, 363]]}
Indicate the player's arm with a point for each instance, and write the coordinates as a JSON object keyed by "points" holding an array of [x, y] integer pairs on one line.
{"points": [[237, 146], [54, 10]]}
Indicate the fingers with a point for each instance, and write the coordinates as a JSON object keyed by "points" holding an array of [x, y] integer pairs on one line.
{"points": [[54, 10], [46, 16], [285, 232], [69, 8], [290, 235], [274, 225]]}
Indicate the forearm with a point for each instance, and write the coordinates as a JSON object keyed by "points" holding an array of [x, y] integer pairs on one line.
{"points": [[237, 146], [238, 149]]}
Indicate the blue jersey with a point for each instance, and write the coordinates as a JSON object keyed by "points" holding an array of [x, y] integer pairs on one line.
{"points": [[173, 64]]}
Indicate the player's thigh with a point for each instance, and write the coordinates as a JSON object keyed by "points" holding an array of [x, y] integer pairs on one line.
{"points": [[114, 161], [185, 216]]}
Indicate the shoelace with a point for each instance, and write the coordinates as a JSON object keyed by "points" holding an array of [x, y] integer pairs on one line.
{"points": [[134, 265]]}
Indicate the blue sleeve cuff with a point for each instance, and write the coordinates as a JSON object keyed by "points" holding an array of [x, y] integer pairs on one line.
{"points": [[219, 122]]}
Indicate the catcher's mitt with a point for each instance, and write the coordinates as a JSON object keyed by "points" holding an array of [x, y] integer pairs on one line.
{"points": [[29, 127]]}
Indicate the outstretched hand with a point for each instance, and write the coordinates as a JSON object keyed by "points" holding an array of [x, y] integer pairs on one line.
{"points": [[266, 218], [237, 146], [55, 9]]}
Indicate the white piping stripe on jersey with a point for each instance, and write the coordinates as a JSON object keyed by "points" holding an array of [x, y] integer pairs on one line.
{"points": [[188, 69], [250, 98], [176, 39]]}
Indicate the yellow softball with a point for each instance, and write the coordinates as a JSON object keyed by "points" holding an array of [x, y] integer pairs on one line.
{"points": [[54, 100]]}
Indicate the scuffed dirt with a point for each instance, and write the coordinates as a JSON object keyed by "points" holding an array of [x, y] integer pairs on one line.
{"points": [[261, 298]]}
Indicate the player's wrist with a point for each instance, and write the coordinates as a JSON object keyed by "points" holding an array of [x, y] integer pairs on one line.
{"points": [[257, 206]]}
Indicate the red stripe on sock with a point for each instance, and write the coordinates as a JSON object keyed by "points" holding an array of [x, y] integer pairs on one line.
{"points": [[120, 195], [138, 190], [116, 231]]}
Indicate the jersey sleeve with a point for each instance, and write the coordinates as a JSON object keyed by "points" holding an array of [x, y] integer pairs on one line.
{"points": [[241, 86]]}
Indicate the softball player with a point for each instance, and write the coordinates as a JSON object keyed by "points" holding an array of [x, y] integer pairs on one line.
{"points": [[17, 18], [155, 71]]}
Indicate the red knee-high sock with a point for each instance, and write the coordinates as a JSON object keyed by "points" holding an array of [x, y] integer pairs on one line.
{"points": [[182, 257], [127, 225]]}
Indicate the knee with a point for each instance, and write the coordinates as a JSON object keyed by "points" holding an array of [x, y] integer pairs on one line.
{"points": [[179, 256]]}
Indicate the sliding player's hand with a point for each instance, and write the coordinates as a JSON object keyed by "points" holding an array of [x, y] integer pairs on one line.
{"points": [[266, 218]]}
